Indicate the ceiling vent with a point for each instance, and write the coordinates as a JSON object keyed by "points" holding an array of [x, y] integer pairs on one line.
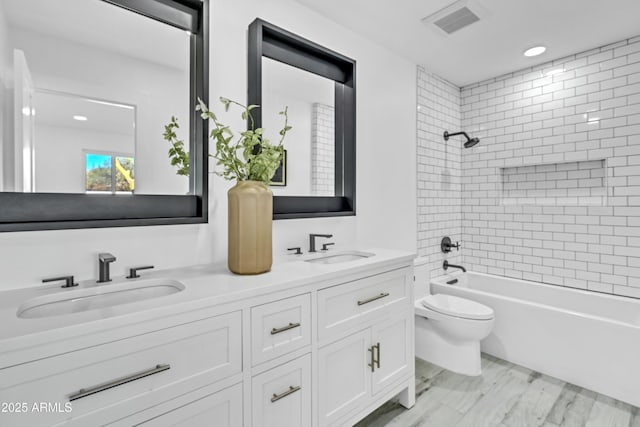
{"points": [[455, 17]]}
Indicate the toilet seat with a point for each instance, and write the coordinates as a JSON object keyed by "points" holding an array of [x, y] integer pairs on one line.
{"points": [[457, 307]]}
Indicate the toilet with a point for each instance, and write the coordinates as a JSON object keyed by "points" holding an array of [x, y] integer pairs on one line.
{"points": [[449, 328]]}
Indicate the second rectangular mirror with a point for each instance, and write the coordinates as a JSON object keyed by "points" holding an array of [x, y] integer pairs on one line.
{"points": [[318, 177]]}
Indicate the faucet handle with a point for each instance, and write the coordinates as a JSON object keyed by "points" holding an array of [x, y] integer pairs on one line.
{"points": [[133, 272], [69, 282], [297, 249], [325, 246], [106, 257]]}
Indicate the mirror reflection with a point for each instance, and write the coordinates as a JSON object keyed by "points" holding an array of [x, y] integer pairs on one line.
{"points": [[309, 167], [85, 90]]}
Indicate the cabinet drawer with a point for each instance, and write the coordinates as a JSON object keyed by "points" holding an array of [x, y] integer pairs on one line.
{"points": [[280, 327], [104, 375], [347, 305], [222, 409], [282, 396]]}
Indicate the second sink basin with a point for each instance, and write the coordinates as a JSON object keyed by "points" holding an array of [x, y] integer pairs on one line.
{"points": [[340, 257], [74, 301]]}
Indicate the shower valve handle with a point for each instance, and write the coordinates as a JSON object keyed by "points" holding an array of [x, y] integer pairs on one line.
{"points": [[446, 245]]}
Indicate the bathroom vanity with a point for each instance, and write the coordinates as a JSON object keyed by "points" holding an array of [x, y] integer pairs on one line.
{"points": [[307, 344]]}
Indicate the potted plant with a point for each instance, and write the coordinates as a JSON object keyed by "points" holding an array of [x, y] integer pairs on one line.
{"points": [[250, 160]]}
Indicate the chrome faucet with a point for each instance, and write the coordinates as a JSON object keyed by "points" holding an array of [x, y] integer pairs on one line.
{"points": [[104, 259], [312, 240]]}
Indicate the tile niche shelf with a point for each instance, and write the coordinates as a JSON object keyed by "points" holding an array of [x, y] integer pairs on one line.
{"points": [[581, 183]]}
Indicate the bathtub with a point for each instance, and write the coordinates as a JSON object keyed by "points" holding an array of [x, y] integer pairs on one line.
{"points": [[585, 338]]}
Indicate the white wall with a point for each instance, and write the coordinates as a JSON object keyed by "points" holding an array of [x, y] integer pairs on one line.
{"points": [[60, 155], [4, 94], [386, 164], [566, 115]]}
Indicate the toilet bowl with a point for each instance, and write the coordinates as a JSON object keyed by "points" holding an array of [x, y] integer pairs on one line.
{"points": [[449, 330]]}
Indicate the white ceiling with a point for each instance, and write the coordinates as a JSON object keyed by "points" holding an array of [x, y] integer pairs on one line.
{"points": [[101, 25], [57, 109], [494, 45]]}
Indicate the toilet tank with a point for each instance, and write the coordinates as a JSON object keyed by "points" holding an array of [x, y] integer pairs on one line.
{"points": [[421, 277]]}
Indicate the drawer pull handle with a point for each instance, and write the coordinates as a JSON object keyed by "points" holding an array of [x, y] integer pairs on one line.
{"points": [[284, 328], [377, 297], [291, 390], [377, 346], [372, 363], [84, 392]]}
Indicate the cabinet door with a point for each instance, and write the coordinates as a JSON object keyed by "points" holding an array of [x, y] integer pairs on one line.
{"points": [[393, 342], [281, 397], [343, 375]]}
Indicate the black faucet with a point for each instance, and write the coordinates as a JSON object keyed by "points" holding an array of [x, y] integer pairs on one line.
{"points": [[104, 259], [446, 245], [312, 240], [446, 265]]}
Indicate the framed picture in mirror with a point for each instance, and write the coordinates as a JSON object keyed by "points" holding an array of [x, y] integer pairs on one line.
{"points": [[280, 177]]}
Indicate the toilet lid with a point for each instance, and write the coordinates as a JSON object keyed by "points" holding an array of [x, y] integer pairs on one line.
{"points": [[458, 307]]}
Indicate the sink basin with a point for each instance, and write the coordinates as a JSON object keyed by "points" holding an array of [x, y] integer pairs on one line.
{"points": [[75, 301], [340, 257]]}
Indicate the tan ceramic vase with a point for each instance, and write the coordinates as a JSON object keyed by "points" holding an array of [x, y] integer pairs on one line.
{"points": [[250, 217]]}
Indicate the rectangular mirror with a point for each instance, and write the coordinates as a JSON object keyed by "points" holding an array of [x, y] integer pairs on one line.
{"points": [[87, 87], [317, 178], [310, 163]]}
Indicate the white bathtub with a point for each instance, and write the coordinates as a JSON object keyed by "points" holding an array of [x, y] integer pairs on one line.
{"points": [[585, 338]]}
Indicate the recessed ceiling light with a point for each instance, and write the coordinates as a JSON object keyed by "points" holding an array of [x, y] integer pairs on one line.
{"points": [[80, 118], [535, 51]]}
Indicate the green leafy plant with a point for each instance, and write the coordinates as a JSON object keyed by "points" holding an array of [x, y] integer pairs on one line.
{"points": [[179, 157], [250, 157]]}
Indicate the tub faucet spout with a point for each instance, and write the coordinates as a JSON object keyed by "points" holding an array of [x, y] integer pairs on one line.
{"points": [[446, 265]]}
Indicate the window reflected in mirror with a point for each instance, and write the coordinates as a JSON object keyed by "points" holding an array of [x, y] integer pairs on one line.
{"points": [[310, 145], [86, 87], [108, 173]]}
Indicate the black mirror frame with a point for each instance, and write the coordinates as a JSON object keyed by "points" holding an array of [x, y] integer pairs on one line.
{"points": [[54, 211], [273, 42]]}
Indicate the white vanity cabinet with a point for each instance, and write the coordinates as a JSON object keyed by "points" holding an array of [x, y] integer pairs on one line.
{"points": [[324, 350], [356, 368]]}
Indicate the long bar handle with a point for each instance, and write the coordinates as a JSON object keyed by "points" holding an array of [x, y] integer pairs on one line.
{"points": [[284, 328], [377, 297], [372, 363], [84, 392], [291, 390], [377, 347]]}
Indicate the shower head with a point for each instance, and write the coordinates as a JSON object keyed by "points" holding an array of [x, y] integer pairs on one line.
{"points": [[470, 141]]}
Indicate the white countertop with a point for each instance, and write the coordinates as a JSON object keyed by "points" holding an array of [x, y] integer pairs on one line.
{"points": [[205, 286]]}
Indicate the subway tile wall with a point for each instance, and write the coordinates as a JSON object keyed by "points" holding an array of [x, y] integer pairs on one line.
{"points": [[577, 110], [439, 185], [558, 184], [322, 150]]}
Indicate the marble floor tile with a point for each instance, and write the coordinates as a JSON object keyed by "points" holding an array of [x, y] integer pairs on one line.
{"points": [[573, 407], [609, 412], [506, 395]]}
